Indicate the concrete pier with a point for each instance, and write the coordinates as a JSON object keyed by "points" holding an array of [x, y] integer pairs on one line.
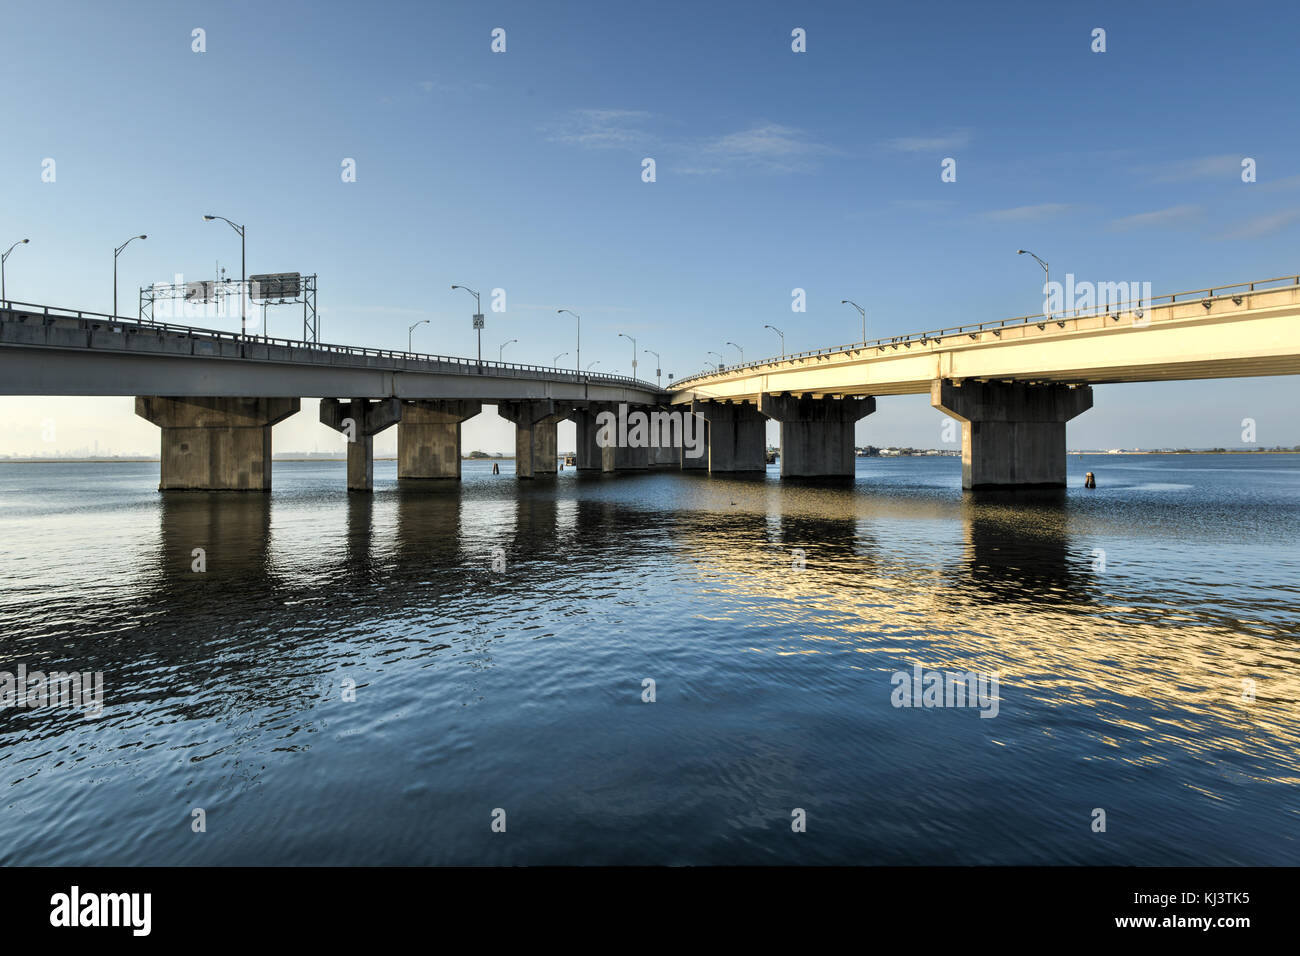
{"points": [[360, 419], [428, 437], [536, 450], [816, 433], [1012, 434], [591, 457], [698, 462], [215, 444], [664, 456], [737, 437]]}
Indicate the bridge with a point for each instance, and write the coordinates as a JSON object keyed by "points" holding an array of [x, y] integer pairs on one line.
{"points": [[216, 395], [1012, 383]]}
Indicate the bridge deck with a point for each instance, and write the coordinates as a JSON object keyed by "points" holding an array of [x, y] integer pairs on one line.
{"points": [[46, 351], [1240, 331]]}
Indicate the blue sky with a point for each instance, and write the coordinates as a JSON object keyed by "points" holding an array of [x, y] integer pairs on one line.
{"points": [[775, 170]]}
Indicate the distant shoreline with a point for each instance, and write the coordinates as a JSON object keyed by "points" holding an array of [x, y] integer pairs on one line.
{"points": [[1076, 454]]}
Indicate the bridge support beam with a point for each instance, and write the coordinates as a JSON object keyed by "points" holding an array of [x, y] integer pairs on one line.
{"points": [[816, 433], [428, 437], [360, 419], [1012, 434], [536, 451], [737, 437], [215, 444]]}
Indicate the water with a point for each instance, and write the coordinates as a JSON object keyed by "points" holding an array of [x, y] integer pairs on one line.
{"points": [[1121, 674]]}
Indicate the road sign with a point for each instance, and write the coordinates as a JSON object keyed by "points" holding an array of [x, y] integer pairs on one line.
{"points": [[200, 291], [276, 285], [478, 321]]}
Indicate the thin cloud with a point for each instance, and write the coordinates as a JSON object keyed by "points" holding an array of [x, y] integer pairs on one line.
{"points": [[1186, 170], [956, 139], [603, 129], [769, 147], [1044, 210], [1159, 218], [1262, 226]]}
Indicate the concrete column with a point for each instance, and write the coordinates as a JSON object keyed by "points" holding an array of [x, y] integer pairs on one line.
{"points": [[367, 419], [1012, 434], [631, 459], [816, 433], [591, 457], [664, 456], [215, 444], [428, 437], [698, 462], [536, 452], [737, 437]]}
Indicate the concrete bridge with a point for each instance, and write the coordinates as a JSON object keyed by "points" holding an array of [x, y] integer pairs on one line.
{"points": [[1013, 384], [216, 395]]}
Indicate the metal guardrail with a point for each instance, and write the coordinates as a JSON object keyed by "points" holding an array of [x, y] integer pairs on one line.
{"points": [[996, 326], [189, 331]]}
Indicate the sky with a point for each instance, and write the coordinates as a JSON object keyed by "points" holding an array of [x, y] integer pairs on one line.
{"points": [[774, 170]]}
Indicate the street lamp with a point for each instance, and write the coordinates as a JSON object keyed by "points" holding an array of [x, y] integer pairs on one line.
{"points": [[633, 341], [658, 363], [502, 349], [478, 318], [740, 350], [720, 359], [860, 310], [411, 331], [3, 259], [555, 361], [597, 362], [780, 333], [243, 272], [117, 252], [1047, 282], [577, 359]]}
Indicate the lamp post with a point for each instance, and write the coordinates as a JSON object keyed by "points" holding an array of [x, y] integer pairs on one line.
{"points": [[597, 362], [577, 359], [633, 341], [5, 258], [863, 313], [658, 366], [117, 252], [720, 359], [555, 361], [478, 318], [411, 332], [243, 270], [1046, 282], [502, 349], [780, 333], [740, 350]]}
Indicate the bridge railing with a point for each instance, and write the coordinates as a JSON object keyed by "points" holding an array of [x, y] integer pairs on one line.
{"points": [[97, 319], [997, 325]]}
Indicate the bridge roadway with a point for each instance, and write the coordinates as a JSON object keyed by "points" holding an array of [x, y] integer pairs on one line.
{"points": [[1013, 384]]}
